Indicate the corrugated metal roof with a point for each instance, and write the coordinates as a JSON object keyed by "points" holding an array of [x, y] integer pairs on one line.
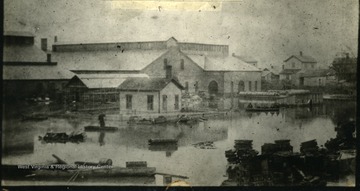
{"points": [[107, 60], [147, 84], [35, 73], [96, 81], [16, 53]]}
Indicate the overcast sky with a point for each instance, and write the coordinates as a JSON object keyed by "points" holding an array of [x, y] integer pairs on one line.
{"points": [[268, 30]]}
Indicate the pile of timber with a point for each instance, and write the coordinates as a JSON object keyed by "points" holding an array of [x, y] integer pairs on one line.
{"points": [[278, 146]]}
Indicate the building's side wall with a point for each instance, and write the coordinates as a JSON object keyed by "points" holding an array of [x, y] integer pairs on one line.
{"points": [[246, 77], [170, 91], [191, 73], [32, 88], [319, 81], [139, 102]]}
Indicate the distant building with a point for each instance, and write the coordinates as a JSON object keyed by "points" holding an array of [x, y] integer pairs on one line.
{"points": [[293, 65], [269, 76], [29, 71], [320, 77], [206, 68], [96, 87], [150, 95]]}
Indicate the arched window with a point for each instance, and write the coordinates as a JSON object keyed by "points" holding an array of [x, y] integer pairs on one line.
{"points": [[241, 86], [213, 87]]}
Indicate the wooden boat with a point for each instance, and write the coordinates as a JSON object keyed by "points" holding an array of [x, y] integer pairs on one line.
{"points": [[98, 128], [136, 120], [62, 138], [162, 141], [263, 109]]}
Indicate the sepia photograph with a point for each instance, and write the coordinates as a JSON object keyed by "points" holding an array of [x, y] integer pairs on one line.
{"points": [[189, 93]]}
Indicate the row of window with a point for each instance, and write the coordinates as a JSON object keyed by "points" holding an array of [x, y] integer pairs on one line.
{"points": [[182, 65], [241, 86], [150, 102]]}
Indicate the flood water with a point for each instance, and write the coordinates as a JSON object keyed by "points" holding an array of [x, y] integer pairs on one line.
{"points": [[204, 167]]}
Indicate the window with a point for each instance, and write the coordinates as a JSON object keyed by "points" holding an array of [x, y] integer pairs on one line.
{"points": [[255, 85], [165, 63], [186, 86], [176, 102], [164, 102], [250, 86], [232, 87], [182, 67], [128, 101], [287, 76], [150, 102], [241, 86]]}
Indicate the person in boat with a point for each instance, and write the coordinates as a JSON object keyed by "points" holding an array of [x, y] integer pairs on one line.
{"points": [[102, 120]]}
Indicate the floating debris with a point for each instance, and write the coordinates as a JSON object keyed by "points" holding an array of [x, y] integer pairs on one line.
{"points": [[205, 145], [63, 138]]}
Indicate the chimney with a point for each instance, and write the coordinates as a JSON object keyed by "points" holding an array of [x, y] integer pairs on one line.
{"points": [[44, 44], [301, 53], [48, 57], [55, 39], [347, 55]]}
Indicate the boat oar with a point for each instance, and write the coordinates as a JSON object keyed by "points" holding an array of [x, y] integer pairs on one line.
{"points": [[59, 160]]}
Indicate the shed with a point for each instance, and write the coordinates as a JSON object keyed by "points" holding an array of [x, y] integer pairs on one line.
{"points": [[150, 95]]}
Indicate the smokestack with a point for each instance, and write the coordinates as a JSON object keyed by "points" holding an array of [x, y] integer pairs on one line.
{"points": [[48, 57], [301, 53], [55, 39], [44, 44]]}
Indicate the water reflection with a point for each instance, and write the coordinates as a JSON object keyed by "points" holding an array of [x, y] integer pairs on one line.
{"points": [[101, 138]]}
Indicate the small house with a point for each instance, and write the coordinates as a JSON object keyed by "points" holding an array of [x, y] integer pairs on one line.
{"points": [[150, 95]]}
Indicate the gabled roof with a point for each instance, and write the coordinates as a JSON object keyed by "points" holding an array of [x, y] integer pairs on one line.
{"points": [[247, 59], [17, 53], [302, 58], [33, 72], [289, 71], [133, 60], [98, 81], [228, 63], [147, 84], [221, 63]]}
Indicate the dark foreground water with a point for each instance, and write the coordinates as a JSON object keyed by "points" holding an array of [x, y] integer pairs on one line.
{"points": [[204, 167]]}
